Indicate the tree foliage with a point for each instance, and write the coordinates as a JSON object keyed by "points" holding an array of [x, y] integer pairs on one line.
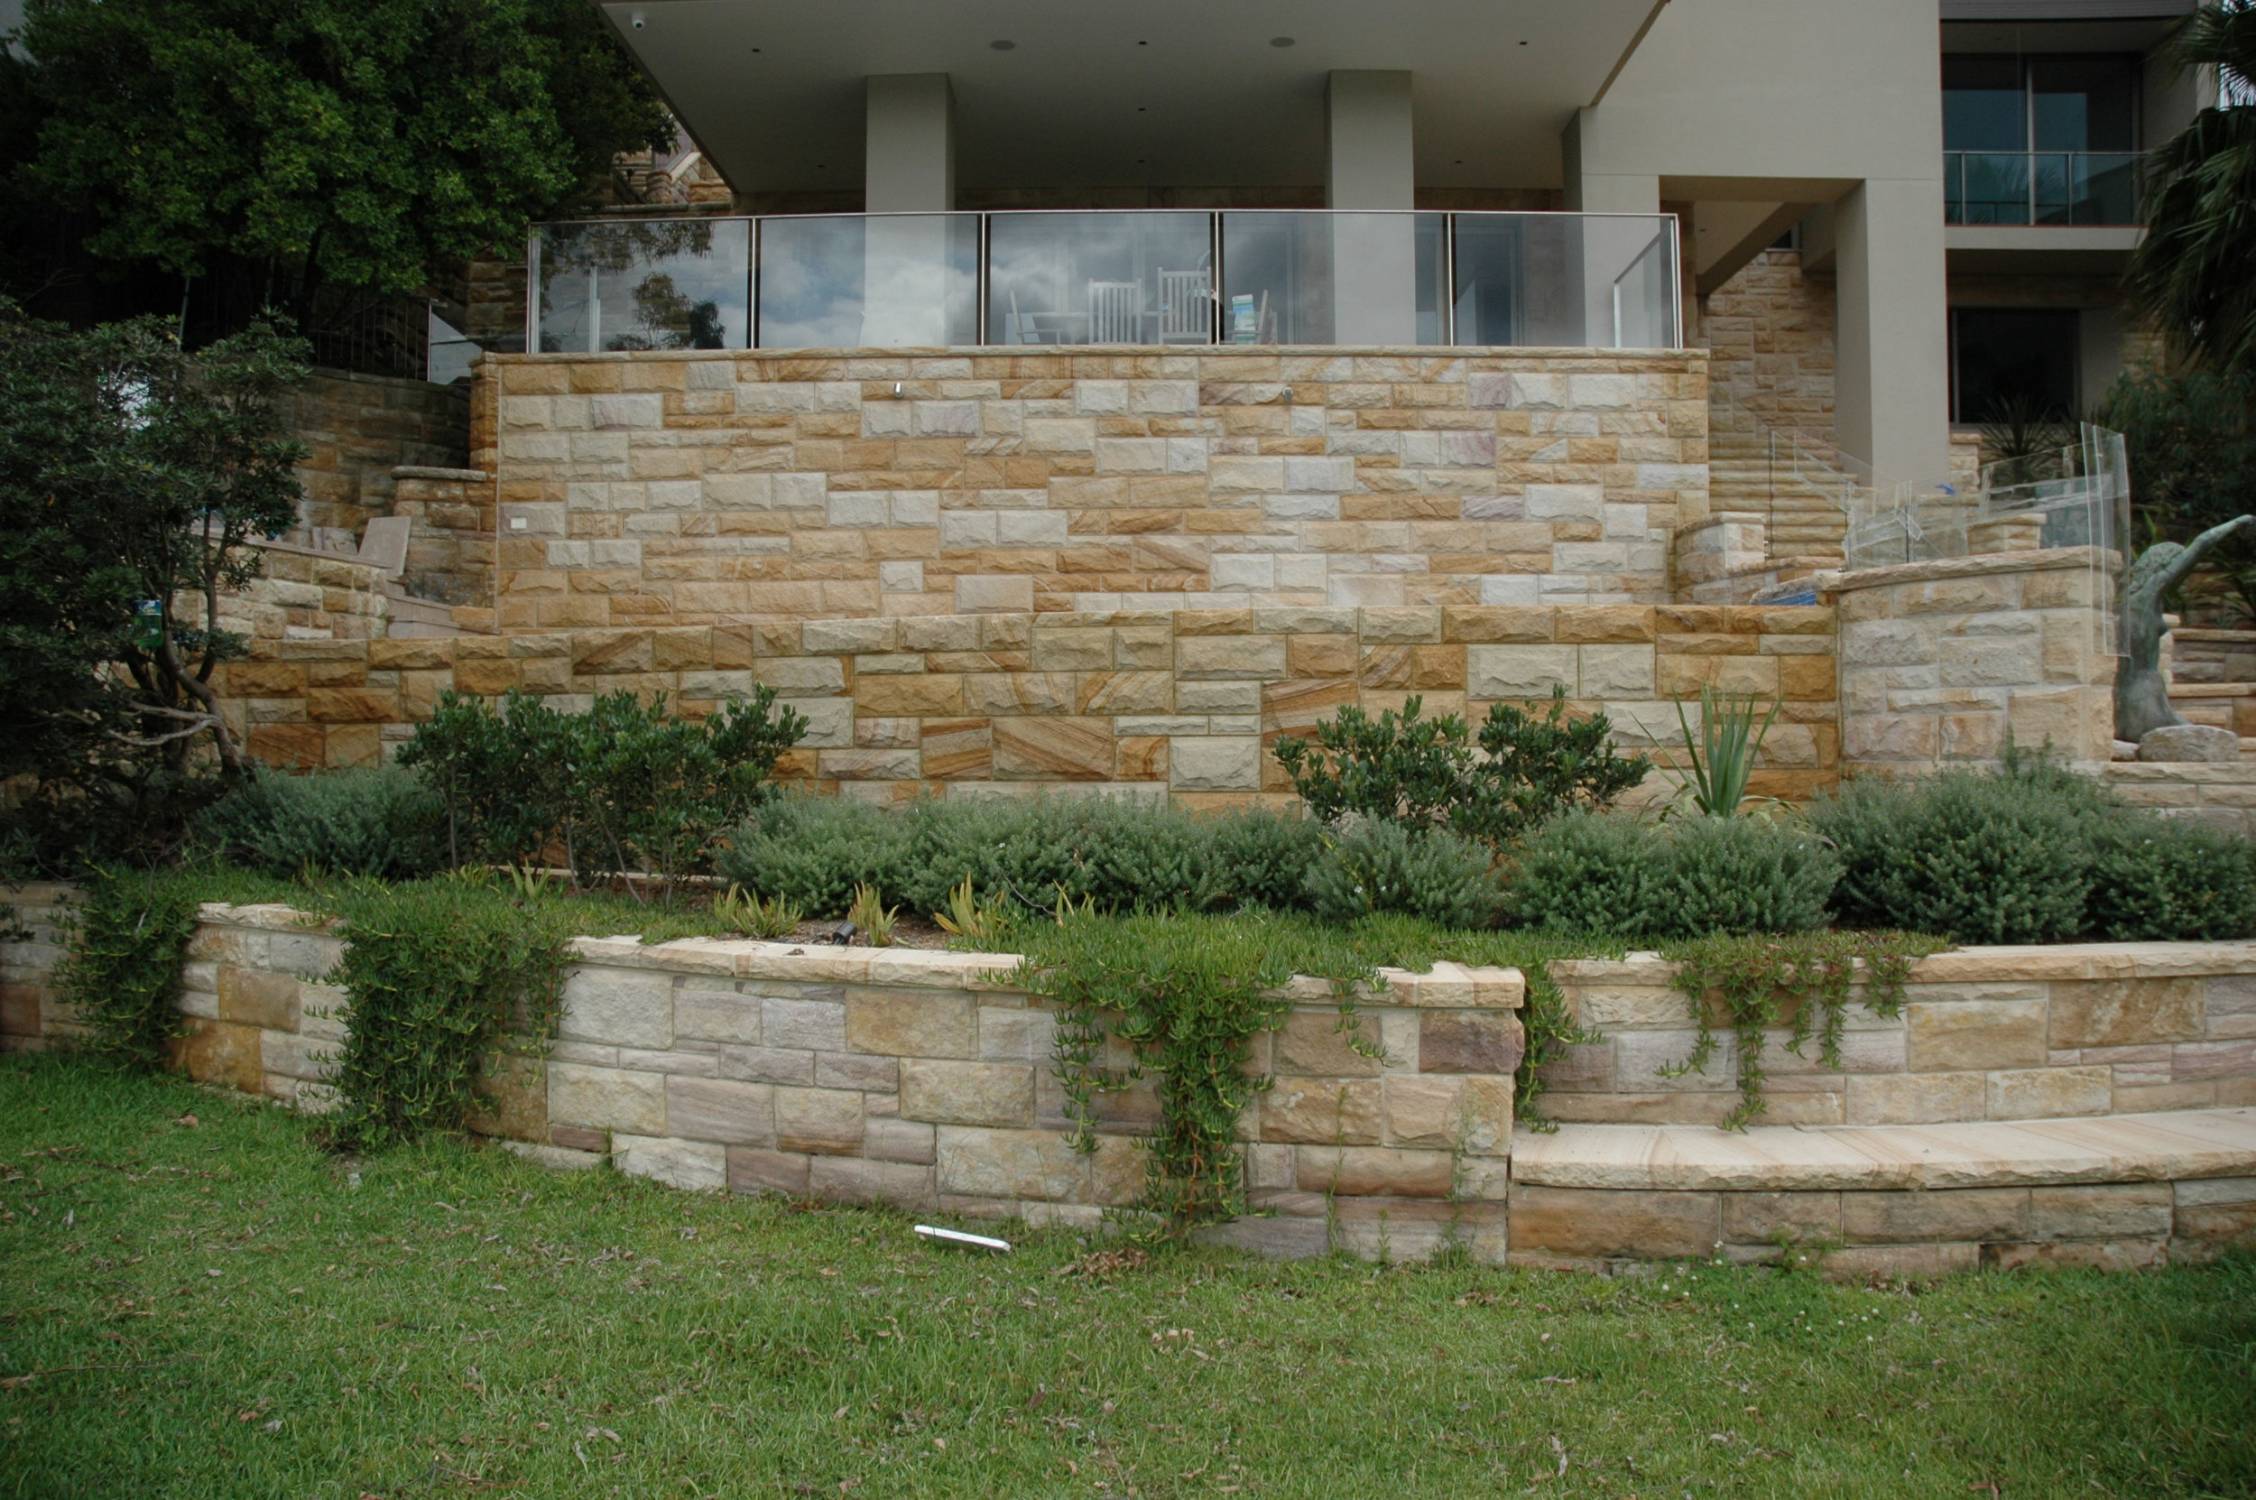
{"points": [[362, 143], [132, 477], [2195, 271], [2191, 439]]}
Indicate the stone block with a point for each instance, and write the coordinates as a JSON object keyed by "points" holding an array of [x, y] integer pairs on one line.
{"points": [[1374, 1171], [1915, 1098], [1969, 1215], [899, 1140], [257, 997], [700, 1166], [1762, 1218], [912, 1023], [1214, 763], [1053, 749], [702, 1015], [1520, 671], [1605, 1224], [2125, 1012], [1472, 1115], [2050, 1093], [1469, 1041], [992, 1163], [607, 1098], [715, 1109], [967, 1093], [1945, 1036], [825, 1122], [852, 1070], [754, 1170], [1322, 1111], [2105, 1211], [847, 1179], [1315, 1042], [618, 1007], [220, 1052], [791, 1024]]}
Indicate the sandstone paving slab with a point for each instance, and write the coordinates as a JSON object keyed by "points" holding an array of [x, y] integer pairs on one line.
{"points": [[2179, 1144]]}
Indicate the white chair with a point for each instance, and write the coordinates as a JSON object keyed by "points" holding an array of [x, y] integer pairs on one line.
{"points": [[1116, 309], [1186, 307]]}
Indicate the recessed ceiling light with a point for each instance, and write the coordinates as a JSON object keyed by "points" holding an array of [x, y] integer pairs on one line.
{"points": [[1143, 44], [1523, 44], [1280, 41], [1002, 46], [1139, 109]]}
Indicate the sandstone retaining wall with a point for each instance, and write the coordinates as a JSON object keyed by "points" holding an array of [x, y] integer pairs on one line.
{"points": [[357, 429], [647, 489], [1180, 705], [899, 1076], [1985, 1034], [1941, 661]]}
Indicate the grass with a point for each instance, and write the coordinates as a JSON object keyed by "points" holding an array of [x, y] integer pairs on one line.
{"points": [[219, 1308]]}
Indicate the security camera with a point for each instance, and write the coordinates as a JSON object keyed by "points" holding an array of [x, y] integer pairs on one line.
{"points": [[636, 20]]}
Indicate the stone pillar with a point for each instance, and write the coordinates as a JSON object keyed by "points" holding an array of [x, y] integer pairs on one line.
{"points": [[1892, 352], [1940, 661], [909, 168], [1370, 164]]}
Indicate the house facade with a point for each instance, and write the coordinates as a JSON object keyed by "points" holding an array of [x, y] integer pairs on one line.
{"points": [[1040, 307]]}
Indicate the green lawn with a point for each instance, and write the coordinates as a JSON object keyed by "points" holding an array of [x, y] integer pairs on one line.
{"points": [[219, 1308]]}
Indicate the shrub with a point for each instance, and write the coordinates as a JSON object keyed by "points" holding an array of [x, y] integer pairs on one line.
{"points": [[1257, 860], [1979, 857], [126, 938], [814, 852], [2158, 879], [1383, 867], [437, 973], [1592, 872], [1422, 773], [1741, 875], [626, 786], [384, 822]]}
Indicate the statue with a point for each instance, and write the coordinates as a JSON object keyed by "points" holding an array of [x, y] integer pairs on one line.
{"points": [[2142, 700]]}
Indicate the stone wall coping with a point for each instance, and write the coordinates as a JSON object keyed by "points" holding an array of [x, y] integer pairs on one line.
{"points": [[1984, 964], [2208, 633], [2042, 560], [420, 471], [1690, 354], [2209, 772], [2172, 1146]]}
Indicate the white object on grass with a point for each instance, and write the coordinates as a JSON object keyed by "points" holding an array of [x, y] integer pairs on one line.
{"points": [[958, 1237]]}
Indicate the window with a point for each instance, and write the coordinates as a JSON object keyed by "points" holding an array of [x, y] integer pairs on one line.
{"points": [[2008, 360], [2040, 140]]}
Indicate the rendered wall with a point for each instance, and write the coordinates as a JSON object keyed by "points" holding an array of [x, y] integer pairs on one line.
{"points": [[646, 490]]}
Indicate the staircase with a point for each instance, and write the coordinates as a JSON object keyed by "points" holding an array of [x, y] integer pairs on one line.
{"points": [[1802, 493]]}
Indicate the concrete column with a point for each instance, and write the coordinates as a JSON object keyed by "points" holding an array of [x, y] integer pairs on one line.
{"points": [[909, 168], [1596, 255], [909, 146], [1371, 164], [1891, 350]]}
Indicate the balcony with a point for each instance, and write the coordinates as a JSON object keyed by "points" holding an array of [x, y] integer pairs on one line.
{"points": [[1156, 277], [2049, 188]]}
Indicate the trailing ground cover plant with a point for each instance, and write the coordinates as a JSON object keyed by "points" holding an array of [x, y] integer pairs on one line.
{"points": [[1802, 982], [1182, 996], [438, 974], [125, 939], [1423, 774]]}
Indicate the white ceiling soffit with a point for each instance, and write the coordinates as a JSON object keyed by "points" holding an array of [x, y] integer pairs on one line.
{"points": [[1152, 92]]}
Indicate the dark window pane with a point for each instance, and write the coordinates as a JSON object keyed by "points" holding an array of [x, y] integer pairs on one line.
{"points": [[2013, 359], [2084, 103], [1984, 108]]}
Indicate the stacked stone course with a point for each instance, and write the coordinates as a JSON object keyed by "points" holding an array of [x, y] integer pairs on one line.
{"points": [[651, 489]]}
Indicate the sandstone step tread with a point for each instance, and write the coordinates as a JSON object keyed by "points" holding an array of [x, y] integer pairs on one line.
{"points": [[2169, 1146]]}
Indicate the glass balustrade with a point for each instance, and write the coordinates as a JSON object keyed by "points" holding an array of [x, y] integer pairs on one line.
{"points": [[2041, 187], [1144, 278]]}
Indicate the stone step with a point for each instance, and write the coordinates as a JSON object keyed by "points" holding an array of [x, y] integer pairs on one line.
{"points": [[2172, 1146]]}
